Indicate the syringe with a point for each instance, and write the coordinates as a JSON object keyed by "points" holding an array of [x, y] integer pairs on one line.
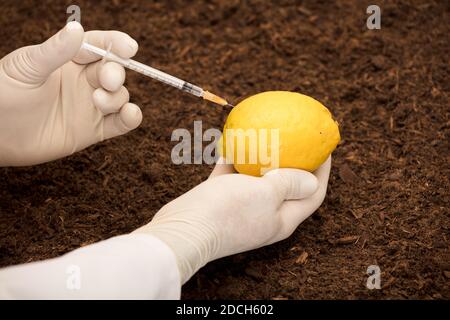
{"points": [[157, 75]]}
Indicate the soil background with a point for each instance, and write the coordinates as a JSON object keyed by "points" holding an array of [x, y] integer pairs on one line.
{"points": [[387, 202]]}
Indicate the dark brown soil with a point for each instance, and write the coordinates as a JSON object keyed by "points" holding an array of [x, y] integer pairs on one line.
{"points": [[387, 202]]}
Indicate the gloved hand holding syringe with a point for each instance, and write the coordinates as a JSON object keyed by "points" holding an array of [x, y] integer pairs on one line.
{"points": [[157, 75]]}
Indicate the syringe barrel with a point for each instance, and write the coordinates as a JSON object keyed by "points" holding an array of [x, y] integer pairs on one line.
{"points": [[164, 77], [147, 70]]}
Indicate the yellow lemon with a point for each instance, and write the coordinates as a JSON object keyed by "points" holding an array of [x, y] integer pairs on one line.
{"points": [[278, 129]]}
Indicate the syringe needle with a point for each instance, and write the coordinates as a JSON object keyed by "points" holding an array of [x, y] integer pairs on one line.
{"points": [[157, 75], [216, 99]]}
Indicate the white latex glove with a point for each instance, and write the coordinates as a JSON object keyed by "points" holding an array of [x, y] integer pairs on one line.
{"points": [[232, 213], [56, 100]]}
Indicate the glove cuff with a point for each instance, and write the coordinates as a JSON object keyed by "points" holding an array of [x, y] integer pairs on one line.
{"points": [[194, 243]]}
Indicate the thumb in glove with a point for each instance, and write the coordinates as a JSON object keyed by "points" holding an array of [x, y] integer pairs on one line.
{"points": [[33, 64]]}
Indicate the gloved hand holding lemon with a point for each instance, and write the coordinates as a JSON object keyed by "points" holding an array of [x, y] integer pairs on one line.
{"points": [[278, 129], [233, 213]]}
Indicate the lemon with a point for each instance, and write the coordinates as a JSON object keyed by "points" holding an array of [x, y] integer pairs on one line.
{"points": [[278, 129]]}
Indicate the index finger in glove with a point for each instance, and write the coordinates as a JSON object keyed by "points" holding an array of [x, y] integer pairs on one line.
{"points": [[121, 44]]}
